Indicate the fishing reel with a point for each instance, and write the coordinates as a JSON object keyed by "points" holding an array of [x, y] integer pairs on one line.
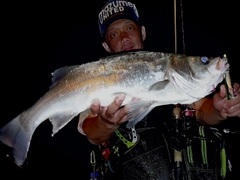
{"points": [[184, 126]]}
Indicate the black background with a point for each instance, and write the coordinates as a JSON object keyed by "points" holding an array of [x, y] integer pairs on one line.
{"points": [[39, 37]]}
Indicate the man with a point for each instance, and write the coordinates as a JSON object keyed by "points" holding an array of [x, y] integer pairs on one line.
{"points": [[151, 156]]}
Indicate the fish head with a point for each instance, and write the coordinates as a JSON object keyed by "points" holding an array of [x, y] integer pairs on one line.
{"points": [[198, 76], [217, 69]]}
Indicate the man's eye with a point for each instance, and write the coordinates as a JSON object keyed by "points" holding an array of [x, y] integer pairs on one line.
{"points": [[113, 35], [130, 28]]}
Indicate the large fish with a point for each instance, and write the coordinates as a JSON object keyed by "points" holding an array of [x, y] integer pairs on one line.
{"points": [[156, 78]]}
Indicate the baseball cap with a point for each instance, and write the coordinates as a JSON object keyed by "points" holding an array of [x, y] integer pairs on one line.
{"points": [[114, 10]]}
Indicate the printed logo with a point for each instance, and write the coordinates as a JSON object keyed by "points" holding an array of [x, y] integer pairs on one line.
{"points": [[115, 8]]}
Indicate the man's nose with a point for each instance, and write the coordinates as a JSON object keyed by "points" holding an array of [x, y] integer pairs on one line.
{"points": [[125, 39]]}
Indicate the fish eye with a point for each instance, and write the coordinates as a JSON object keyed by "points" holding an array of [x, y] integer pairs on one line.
{"points": [[204, 59]]}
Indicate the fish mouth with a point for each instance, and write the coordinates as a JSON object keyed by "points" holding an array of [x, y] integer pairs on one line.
{"points": [[222, 64]]}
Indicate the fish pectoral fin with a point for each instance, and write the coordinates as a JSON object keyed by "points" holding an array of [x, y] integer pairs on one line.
{"points": [[159, 85], [60, 120], [137, 110]]}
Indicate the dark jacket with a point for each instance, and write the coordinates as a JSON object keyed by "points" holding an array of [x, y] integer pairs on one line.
{"points": [[204, 151]]}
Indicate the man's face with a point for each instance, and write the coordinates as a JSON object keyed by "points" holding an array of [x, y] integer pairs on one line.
{"points": [[124, 35]]}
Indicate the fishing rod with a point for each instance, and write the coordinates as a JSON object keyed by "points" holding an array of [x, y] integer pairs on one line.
{"points": [[175, 26], [176, 115]]}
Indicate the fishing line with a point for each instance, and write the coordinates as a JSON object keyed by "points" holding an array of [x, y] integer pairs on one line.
{"points": [[175, 25], [183, 41]]}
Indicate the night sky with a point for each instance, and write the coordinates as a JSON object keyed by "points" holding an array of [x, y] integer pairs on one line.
{"points": [[41, 37]]}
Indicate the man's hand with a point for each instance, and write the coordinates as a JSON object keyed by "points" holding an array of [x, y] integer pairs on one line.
{"points": [[227, 108], [113, 114]]}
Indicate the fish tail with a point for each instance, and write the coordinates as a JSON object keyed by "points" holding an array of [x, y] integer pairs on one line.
{"points": [[15, 136]]}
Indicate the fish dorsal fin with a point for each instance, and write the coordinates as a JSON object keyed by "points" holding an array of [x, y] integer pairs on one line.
{"points": [[158, 86], [58, 74]]}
